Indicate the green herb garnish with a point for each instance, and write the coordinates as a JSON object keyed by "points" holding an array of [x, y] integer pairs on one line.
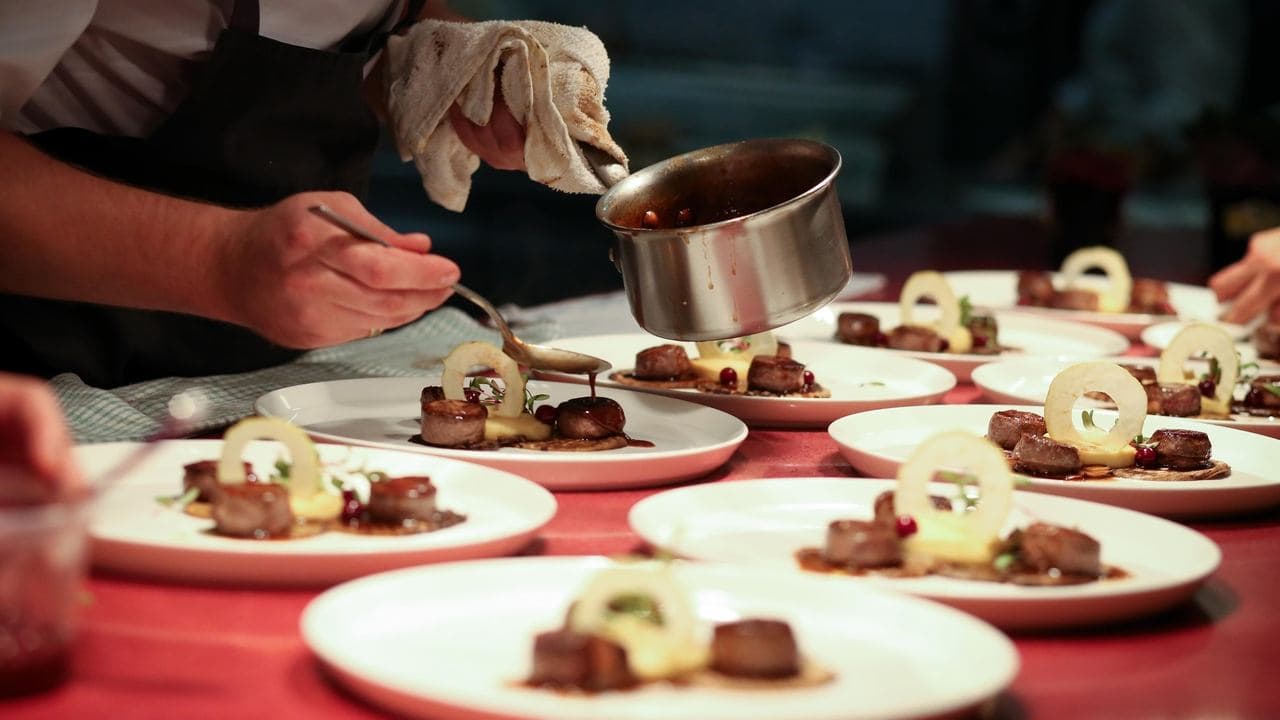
{"points": [[530, 399], [966, 311], [1086, 418], [642, 607], [282, 469], [1273, 388], [1004, 561], [871, 383], [963, 482], [180, 501]]}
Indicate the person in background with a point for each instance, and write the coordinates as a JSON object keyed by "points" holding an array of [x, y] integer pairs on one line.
{"points": [[1253, 282], [34, 442], [159, 160]]}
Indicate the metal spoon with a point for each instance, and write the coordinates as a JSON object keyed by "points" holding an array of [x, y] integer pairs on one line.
{"points": [[538, 357]]}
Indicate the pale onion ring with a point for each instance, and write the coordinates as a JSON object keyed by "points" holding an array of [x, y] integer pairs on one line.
{"points": [[306, 495], [1101, 376], [472, 354], [927, 283], [959, 451], [743, 348], [1119, 283], [1194, 339]]}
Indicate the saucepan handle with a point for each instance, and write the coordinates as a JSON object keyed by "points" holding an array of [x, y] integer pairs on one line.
{"points": [[610, 171]]}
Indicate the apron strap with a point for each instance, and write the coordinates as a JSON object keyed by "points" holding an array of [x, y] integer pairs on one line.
{"points": [[245, 15]]}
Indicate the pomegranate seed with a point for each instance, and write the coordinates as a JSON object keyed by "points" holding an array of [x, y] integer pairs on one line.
{"points": [[905, 525], [979, 341], [1208, 387], [1145, 457], [729, 377], [546, 414], [471, 395], [946, 345], [807, 378], [882, 339], [351, 507]]}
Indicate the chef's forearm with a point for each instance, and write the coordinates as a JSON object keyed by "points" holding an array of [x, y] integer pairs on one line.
{"points": [[70, 235]]}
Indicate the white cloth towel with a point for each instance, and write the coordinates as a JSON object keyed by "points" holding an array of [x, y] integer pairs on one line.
{"points": [[553, 79]]}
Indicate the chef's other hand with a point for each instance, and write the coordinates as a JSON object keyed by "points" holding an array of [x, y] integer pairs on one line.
{"points": [[500, 143], [36, 462], [1253, 282], [301, 282]]}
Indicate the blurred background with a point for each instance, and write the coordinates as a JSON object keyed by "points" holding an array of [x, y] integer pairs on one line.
{"points": [[975, 133]]}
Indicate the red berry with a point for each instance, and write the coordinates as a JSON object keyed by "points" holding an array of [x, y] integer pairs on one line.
{"points": [[979, 341], [946, 345], [351, 507], [1208, 387], [882, 339], [807, 378], [546, 414], [905, 525], [471, 395], [1145, 456], [729, 377]]}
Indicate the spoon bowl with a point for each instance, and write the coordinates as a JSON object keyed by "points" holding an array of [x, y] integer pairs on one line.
{"points": [[537, 357]]}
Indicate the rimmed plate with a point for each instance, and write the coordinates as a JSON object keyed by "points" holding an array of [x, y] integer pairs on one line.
{"points": [[877, 442], [1027, 381], [1160, 335], [401, 643], [766, 521], [131, 531], [688, 440], [1031, 336], [999, 289], [859, 379]]}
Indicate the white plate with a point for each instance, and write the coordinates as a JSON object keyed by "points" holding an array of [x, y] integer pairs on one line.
{"points": [[688, 440], [766, 521], [859, 379], [877, 442], [1027, 381], [132, 532], [1160, 335], [1032, 336], [401, 642], [999, 289]]}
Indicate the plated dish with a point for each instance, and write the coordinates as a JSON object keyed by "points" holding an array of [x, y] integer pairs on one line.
{"points": [[687, 440], [132, 532], [1021, 334], [398, 642], [877, 442], [998, 290], [766, 521], [857, 380]]}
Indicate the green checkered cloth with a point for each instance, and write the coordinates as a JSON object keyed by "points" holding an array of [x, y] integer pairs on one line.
{"points": [[134, 412]]}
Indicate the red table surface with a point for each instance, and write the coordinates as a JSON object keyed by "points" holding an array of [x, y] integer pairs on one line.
{"points": [[150, 649]]}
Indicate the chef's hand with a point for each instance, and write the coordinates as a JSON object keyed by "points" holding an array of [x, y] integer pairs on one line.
{"points": [[301, 282], [36, 462], [1253, 282], [500, 143]]}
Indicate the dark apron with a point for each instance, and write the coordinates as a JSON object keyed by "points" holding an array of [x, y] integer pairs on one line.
{"points": [[264, 120]]}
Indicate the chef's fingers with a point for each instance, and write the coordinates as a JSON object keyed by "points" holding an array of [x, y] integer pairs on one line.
{"points": [[33, 434], [1257, 296], [352, 210], [1229, 281]]}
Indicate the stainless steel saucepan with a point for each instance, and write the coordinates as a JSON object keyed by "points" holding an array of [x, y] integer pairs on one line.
{"points": [[729, 240]]}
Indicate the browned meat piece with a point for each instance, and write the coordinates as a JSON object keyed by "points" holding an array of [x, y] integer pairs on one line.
{"points": [[402, 499], [884, 506], [1259, 397], [774, 374], [985, 333], [664, 362], [589, 418], [1145, 374], [862, 544], [1007, 427], [1182, 449], [1175, 400], [910, 337], [784, 350], [1042, 455], [1035, 288], [1267, 339], [255, 510], [203, 474], [1076, 300], [1045, 547], [1150, 296], [563, 658], [430, 393], [450, 423], [755, 648], [858, 329]]}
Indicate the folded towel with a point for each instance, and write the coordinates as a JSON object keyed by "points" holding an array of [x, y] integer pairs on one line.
{"points": [[553, 79]]}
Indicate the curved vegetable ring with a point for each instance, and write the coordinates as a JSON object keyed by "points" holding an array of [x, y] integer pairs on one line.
{"points": [[1124, 389], [306, 496], [469, 355], [1196, 338], [927, 283], [1119, 284], [744, 347], [957, 450]]}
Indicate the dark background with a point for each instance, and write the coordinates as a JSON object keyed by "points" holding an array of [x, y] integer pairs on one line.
{"points": [[947, 114]]}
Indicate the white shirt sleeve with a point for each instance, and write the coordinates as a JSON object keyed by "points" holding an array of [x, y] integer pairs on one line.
{"points": [[34, 35]]}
